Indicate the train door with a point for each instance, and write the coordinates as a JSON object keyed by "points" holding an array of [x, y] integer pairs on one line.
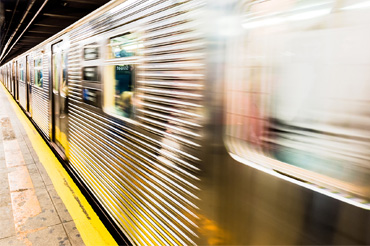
{"points": [[59, 97], [13, 79], [16, 71], [27, 84]]}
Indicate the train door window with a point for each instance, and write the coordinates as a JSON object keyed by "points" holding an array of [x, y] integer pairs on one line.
{"points": [[21, 71], [119, 76], [297, 91], [38, 72]]}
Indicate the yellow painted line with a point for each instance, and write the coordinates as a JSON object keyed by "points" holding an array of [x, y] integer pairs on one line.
{"points": [[91, 229]]}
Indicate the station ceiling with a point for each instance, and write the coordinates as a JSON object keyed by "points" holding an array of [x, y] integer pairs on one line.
{"points": [[26, 23]]}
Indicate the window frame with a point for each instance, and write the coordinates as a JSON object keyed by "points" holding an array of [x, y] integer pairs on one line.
{"points": [[109, 62]]}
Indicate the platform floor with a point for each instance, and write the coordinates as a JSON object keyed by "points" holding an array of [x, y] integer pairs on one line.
{"points": [[31, 210]]}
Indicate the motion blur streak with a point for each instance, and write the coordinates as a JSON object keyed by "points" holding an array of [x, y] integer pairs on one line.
{"points": [[304, 95]]}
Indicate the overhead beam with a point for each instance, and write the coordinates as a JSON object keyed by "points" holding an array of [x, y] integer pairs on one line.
{"points": [[38, 31], [45, 25], [61, 16], [84, 2]]}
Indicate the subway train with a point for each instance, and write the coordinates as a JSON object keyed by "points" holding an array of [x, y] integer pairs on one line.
{"points": [[194, 122]]}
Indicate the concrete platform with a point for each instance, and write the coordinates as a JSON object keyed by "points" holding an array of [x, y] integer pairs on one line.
{"points": [[39, 203]]}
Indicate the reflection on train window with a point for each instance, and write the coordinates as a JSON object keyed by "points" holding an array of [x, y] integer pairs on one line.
{"points": [[119, 90], [38, 72], [123, 46], [297, 91]]}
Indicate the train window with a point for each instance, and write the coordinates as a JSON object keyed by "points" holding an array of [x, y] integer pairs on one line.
{"points": [[119, 75], [119, 90], [21, 72], [91, 52], [38, 72], [90, 73], [123, 46], [297, 91]]}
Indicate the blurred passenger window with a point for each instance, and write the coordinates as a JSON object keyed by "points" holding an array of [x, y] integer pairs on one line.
{"points": [[119, 75], [21, 72], [90, 73], [38, 72], [91, 52], [297, 90], [123, 46]]}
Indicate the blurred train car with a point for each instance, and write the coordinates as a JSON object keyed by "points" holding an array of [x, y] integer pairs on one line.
{"points": [[212, 122]]}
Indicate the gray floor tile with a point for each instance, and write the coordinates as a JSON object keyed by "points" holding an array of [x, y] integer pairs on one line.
{"points": [[2, 162], [63, 212], [5, 199], [7, 228], [11, 241], [4, 187], [59, 205], [28, 160], [35, 156], [37, 180], [48, 215], [53, 194], [44, 174], [51, 236], [6, 213], [73, 234]]}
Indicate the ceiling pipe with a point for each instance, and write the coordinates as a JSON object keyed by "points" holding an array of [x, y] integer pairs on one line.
{"points": [[20, 23], [25, 29], [10, 23]]}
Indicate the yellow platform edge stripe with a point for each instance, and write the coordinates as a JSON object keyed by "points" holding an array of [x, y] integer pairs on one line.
{"points": [[92, 230]]}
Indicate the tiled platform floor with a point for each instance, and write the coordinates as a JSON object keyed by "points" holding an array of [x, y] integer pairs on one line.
{"points": [[31, 212]]}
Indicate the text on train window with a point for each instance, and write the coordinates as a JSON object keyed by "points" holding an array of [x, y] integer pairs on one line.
{"points": [[38, 72]]}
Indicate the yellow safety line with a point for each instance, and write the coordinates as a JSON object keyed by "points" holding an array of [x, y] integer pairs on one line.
{"points": [[91, 229]]}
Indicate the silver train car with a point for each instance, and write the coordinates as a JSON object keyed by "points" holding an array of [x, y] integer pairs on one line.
{"points": [[192, 122]]}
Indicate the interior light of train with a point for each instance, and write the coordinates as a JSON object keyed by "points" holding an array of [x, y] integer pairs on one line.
{"points": [[279, 20], [358, 5], [132, 47], [313, 5], [266, 22], [309, 15], [122, 6]]}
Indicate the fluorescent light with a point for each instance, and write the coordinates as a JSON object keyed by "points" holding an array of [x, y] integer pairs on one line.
{"points": [[279, 20], [358, 5], [265, 22], [309, 15]]}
